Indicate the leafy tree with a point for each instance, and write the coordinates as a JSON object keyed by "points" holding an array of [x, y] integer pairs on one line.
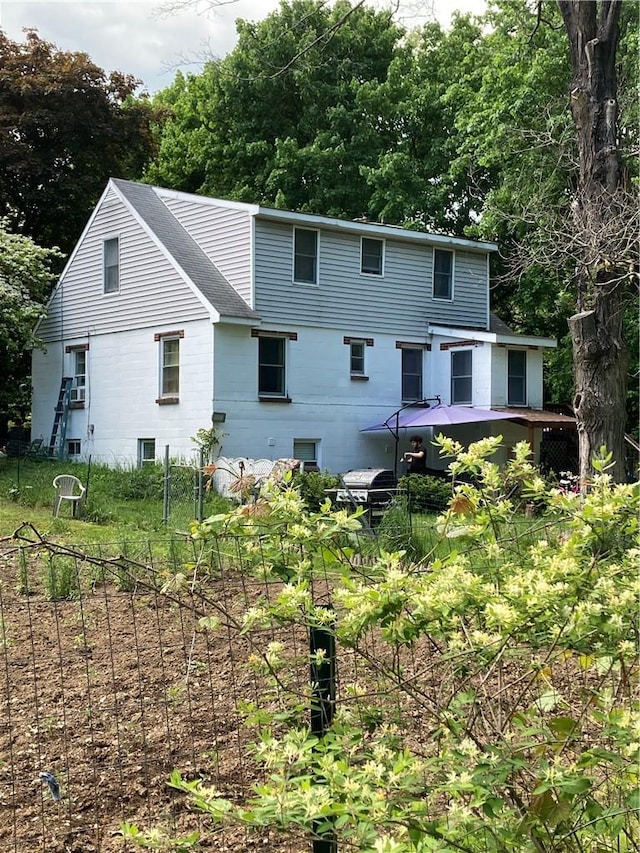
{"points": [[25, 282], [420, 181], [515, 126], [292, 116], [605, 228], [65, 128]]}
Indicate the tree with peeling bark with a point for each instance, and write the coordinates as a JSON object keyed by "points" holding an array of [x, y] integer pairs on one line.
{"points": [[600, 211]]}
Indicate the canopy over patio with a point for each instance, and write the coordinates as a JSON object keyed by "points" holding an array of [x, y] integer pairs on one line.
{"points": [[422, 414], [433, 416]]}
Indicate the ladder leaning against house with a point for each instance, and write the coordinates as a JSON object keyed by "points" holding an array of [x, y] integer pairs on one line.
{"points": [[59, 429]]}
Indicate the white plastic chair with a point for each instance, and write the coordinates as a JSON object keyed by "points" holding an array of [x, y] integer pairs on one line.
{"points": [[68, 488]]}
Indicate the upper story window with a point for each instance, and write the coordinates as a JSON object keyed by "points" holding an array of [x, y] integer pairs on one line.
{"points": [[442, 274], [461, 376], [517, 378], [78, 388], [357, 349], [305, 256], [371, 256], [271, 366], [411, 374], [169, 357], [170, 383], [111, 252]]}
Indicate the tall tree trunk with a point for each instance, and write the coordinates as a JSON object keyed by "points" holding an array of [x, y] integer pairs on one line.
{"points": [[600, 357]]}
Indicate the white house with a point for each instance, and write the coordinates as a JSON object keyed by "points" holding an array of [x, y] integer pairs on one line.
{"points": [[297, 330]]}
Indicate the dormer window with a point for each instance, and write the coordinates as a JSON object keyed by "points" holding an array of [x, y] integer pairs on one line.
{"points": [[442, 274], [305, 256], [371, 256], [111, 265]]}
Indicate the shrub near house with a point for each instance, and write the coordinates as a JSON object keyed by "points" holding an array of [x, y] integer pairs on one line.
{"points": [[491, 707]]}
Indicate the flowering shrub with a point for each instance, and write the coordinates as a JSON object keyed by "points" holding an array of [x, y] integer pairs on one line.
{"points": [[493, 705]]}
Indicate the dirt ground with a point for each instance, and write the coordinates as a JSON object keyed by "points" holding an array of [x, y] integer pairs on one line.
{"points": [[109, 693]]}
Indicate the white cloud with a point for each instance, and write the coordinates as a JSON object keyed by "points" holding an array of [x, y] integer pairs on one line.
{"points": [[130, 36]]}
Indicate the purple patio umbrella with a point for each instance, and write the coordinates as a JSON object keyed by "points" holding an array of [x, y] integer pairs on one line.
{"points": [[437, 416], [417, 415]]}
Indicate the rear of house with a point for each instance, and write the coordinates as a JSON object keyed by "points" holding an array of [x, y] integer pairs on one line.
{"points": [[292, 332]]}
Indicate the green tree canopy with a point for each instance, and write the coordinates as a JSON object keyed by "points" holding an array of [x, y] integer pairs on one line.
{"points": [[292, 116], [25, 282], [65, 128]]}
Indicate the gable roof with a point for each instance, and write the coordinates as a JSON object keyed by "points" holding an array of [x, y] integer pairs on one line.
{"points": [[186, 254]]}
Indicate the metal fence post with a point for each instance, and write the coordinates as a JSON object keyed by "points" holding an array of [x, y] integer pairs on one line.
{"points": [[200, 485], [323, 699], [167, 486]]}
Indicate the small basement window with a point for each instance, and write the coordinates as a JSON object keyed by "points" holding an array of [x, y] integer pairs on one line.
{"points": [[146, 451]]}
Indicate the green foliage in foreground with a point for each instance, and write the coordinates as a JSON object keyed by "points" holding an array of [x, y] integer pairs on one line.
{"points": [[495, 711]]}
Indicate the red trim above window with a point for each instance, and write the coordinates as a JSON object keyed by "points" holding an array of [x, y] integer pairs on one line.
{"points": [[264, 333], [366, 341], [160, 335], [410, 345], [453, 344]]}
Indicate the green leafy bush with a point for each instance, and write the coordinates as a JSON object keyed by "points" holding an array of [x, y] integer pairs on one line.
{"points": [[312, 486], [491, 707], [426, 493]]}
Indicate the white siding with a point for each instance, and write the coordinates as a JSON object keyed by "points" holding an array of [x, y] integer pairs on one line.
{"points": [[123, 372], [224, 234], [440, 371], [326, 404], [401, 299], [500, 376], [151, 291]]}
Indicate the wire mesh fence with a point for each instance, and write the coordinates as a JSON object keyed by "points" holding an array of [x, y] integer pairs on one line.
{"points": [[109, 680]]}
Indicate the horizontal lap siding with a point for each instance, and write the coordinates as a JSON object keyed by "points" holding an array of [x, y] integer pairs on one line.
{"points": [[400, 300], [151, 291], [470, 306], [224, 234]]}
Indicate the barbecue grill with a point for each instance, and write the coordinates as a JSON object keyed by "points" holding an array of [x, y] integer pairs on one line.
{"points": [[372, 488]]}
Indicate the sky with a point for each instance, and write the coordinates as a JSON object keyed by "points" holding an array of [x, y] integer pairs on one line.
{"points": [[135, 37]]}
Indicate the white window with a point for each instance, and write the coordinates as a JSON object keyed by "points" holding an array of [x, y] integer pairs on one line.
{"points": [[146, 451], [411, 374], [461, 376], [305, 256], [271, 366], [112, 265], [79, 376], [442, 274], [517, 378], [73, 447], [371, 256], [306, 450], [357, 351], [170, 367]]}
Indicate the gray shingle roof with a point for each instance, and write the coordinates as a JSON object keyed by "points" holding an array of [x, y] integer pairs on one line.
{"points": [[498, 326], [184, 250]]}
